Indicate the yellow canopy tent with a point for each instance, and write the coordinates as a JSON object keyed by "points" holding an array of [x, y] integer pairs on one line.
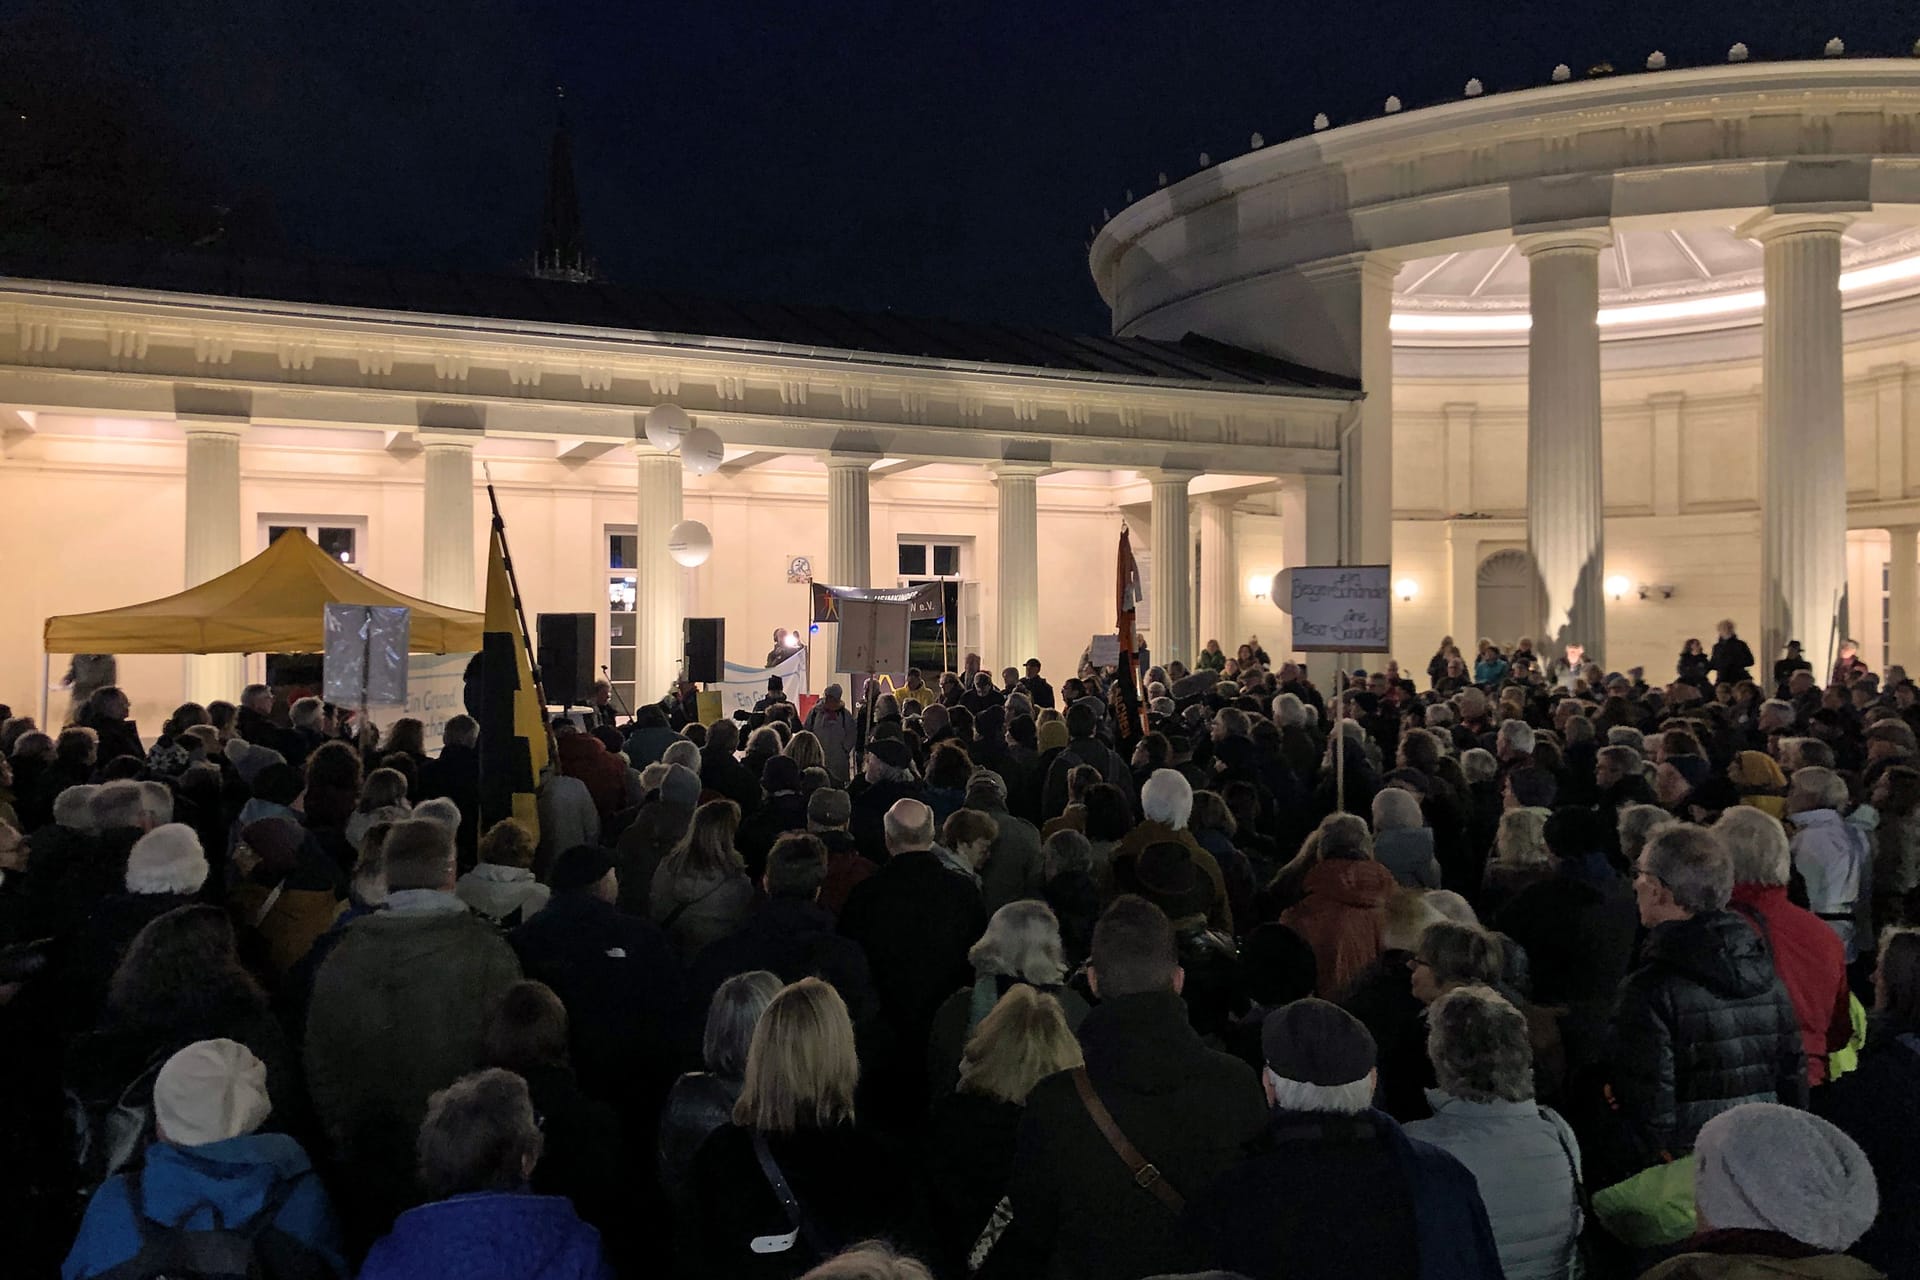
{"points": [[271, 604]]}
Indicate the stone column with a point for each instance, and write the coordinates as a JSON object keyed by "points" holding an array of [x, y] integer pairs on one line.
{"points": [[1369, 508], [1019, 603], [213, 543], [1171, 588], [448, 564], [1219, 575], [849, 532], [659, 600], [1309, 535], [1903, 597], [1565, 516], [1803, 511]]}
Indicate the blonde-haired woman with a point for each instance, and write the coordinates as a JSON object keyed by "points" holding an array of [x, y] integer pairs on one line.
{"points": [[794, 1123], [805, 750], [700, 891], [1021, 946], [1519, 859], [970, 1144]]}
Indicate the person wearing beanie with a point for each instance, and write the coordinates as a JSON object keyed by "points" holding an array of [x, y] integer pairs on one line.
{"points": [[208, 1169], [617, 975], [165, 869], [658, 826], [1675, 779], [1779, 1194], [888, 777], [287, 891], [1332, 1187], [829, 811]]}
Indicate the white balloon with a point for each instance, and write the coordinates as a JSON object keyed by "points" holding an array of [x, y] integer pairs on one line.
{"points": [[667, 425], [689, 543], [702, 450]]}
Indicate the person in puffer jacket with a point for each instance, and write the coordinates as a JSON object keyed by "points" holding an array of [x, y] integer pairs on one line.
{"points": [[1523, 1157], [1702, 1023]]}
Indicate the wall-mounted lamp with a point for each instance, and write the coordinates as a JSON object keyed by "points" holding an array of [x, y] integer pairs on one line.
{"points": [[1617, 587], [1259, 584], [1406, 589], [1662, 589]]}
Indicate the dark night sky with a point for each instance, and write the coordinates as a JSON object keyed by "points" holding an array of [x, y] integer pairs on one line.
{"points": [[941, 158]]}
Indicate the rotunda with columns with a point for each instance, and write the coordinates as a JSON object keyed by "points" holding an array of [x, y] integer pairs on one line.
{"points": [[1636, 350]]}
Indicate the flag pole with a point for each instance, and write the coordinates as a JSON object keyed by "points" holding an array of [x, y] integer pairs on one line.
{"points": [[513, 587]]}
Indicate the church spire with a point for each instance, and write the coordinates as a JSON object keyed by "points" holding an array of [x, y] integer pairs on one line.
{"points": [[562, 254]]}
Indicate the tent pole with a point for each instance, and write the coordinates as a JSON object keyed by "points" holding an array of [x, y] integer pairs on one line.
{"points": [[46, 675]]}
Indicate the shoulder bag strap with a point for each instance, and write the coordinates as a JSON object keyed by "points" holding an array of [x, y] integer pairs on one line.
{"points": [[796, 1216], [680, 909], [1145, 1175]]}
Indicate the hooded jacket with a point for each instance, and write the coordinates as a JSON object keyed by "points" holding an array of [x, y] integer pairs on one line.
{"points": [[1076, 1209], [1702, 1025], [1407, 853], [1342, 918], [235, 1180], [1834, 857]]}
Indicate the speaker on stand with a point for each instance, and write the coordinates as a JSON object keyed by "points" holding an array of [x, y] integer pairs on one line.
{"points": [[564, 645], [704, 650]]}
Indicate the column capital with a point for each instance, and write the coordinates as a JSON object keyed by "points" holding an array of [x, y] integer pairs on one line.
{"points": [[1221, 499], [645, 452], [211, 426], [850, 461], [1171, 475], [430, 439], [1770, 225], [1016, 467], [1565, 240]]}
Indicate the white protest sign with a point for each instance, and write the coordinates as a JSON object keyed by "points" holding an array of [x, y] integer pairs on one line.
{"points": [[1337, 608]]}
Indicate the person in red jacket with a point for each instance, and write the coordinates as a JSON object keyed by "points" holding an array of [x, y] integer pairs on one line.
{"points": [[585, 757], [1807, 954]]}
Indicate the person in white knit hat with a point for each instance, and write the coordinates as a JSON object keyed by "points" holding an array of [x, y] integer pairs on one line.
{"points": [[165, 869], [1780, 1193], [209, 1170]]}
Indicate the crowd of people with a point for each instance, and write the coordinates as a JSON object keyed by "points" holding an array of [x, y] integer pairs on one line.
{"points": [[1537, 971]]}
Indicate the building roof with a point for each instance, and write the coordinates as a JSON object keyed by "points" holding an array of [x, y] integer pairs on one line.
{"points": [[596, 304]]}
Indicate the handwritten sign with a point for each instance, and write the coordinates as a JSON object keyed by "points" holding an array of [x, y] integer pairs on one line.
{"points": [[1337, 608]]}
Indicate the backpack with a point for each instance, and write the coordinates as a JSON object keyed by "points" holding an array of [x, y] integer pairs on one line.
{"points": [[109, 1134], [221, 1252]]}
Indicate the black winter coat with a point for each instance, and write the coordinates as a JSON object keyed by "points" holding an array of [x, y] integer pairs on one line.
{"points": [[1878, 1106], [455, 775], [621, 984], [1188, 1109], [1702, 1024], [1732, 660], [967, 1162]]}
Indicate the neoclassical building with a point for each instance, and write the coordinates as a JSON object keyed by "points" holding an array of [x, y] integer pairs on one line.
{"points": [[1636, 349], [1606, 360]]}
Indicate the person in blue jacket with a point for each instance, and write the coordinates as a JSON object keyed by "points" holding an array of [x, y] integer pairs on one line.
{"points": [[208, 1170], [478, 1146]]}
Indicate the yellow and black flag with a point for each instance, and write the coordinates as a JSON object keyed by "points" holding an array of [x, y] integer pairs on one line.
{"points": [[513, 730]]}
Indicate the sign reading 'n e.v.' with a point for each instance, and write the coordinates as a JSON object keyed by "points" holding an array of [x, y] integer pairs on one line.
{"points": [[1337, 608]]}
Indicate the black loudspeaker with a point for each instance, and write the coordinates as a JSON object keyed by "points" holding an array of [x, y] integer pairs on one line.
{"points": [[705, 650], [565, 648]]}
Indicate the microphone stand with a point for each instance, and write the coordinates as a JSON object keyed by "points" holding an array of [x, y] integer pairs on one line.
{"points": [[614, 689]]}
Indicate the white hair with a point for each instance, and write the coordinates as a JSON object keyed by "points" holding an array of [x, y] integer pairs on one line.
{"points": [[1637, 822], [1440, 716], [1167, 797], [305, 713], [1289, 712], [1339, 1099], [681, 751], [440, 810], [1395, 809], [73, 808], [1778, 708], [1758, 844], [1478, 764], [117, 804], [1823, 786], [1517, 736], [1022, 941]]}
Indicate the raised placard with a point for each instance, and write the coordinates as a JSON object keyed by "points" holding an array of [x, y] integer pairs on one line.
{"points": [[1337, 608]]}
